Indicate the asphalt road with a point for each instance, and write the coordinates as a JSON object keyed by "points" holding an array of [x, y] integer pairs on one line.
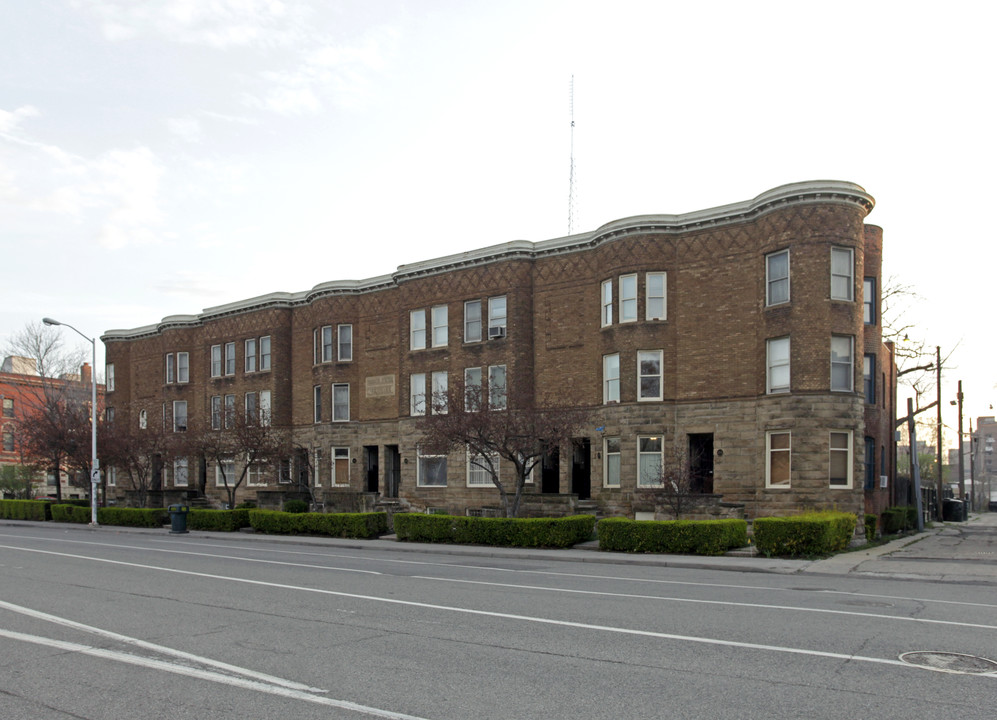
{"points": [[102, 624]]}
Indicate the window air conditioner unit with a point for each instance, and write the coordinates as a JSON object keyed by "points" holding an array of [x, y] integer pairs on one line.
{"points": [[496, 332]]}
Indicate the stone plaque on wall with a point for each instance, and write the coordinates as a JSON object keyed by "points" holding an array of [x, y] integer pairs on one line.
{"points": [[380, 386]]}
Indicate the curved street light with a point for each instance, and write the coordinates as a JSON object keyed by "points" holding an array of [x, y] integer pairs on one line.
{"points": [[94, 463]]}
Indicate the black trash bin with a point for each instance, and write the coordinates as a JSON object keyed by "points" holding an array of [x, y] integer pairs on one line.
{"points": [[178, 518], [953, 510]]}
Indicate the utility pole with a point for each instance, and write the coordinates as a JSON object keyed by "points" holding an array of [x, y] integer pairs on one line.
{"points": [[962, 461], [938, 389]]}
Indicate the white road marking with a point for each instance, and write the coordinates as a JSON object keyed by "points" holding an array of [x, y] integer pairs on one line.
{"points": [[507, 616], [241, 682]]}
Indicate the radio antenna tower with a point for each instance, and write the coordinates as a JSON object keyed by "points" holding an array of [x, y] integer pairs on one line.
{"points": [[571, 172]]}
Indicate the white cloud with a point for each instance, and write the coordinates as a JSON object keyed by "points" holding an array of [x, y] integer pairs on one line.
{"points": [[187, 128], [128, 180], [10, 120]]}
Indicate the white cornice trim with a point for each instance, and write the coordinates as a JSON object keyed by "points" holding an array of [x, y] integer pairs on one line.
{"points": [[833, 192]]}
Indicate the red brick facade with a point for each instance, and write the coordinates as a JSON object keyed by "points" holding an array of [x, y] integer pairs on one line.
{"points": [[701, 306]]}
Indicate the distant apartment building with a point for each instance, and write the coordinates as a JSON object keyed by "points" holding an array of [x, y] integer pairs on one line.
{"points": [[745, 337], [984, 466], [23, 393]]}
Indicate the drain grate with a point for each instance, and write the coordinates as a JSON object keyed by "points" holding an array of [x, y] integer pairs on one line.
{"points": [[950, 662]]}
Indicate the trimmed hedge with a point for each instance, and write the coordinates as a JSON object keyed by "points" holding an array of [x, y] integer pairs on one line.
{"points": [[341, 525], [696, 537], [804, 535], [871, 527], [218, 520], [126, 517], [505, 532], [25, 510], [899, 519]]}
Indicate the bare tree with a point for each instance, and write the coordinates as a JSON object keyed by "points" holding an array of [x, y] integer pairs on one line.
{"points": [[673, 486], [247, 445], [507, 425], [139, 453], [45, 345]]}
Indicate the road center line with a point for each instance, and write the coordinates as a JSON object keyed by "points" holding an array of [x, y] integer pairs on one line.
{"points": [[507, 616]]}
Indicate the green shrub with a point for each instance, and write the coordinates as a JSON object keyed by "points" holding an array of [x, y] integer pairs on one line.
{"points": [[295, 506], [804, 535], [126, 517], [505, 532], [71, 513], [25, 510], [697, 537], [246, 505], [899, 519], [342, 525], [218, 520], [871, 526]]}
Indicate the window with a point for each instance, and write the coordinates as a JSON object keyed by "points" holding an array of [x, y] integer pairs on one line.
{"points": [[611, 378], [842, 376], [323, 344], [341, 402], [628, 298], [216, 412], [611, 468], [265, 414], [230, 358], [439, 403], [252, 408], [496, 315], [607, 303], [8, 441], [180, 472], [109, 375], [109, 415], [870, 463], [317, 403], [480, 468], [472, 389], [840, 460], [225, 472], [649, 461], [842, 285], [777, 363], [869, 301], [284, 471], [112, 476], [440, 326], [649, 374], [251, 355], [472, 321], [869, 378], [265, 353], [216, 361], [317, 467], [777, 278], [497, 391], [229, 418], [183, 367], [340, 466], [431, 470], [777, 466], [655, 307], [417, 394], [345, 343], [255, 474], [143, 419], [170, 370], [417, 329], [179, 415], [8, 407]]}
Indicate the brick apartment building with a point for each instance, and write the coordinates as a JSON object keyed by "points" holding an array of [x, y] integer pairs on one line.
{"points": [[22, 392], [746, 337]]}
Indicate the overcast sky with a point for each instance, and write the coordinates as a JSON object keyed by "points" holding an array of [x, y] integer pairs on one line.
{"points": [[159, 158]]}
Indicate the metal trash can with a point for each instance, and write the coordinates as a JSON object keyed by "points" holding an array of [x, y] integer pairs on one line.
{"points": [[178, 518], [953, 510]]}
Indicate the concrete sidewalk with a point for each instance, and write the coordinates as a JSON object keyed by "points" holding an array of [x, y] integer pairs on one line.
{"points": [[950, 552]]}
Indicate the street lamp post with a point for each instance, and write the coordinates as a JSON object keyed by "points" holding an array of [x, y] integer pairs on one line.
{"points": [[94, 463]]}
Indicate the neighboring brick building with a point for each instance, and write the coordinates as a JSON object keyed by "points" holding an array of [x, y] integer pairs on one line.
{"points": [[22, 392], [746, 336]]}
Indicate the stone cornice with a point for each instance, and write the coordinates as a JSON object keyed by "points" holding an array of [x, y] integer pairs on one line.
{"points": [[833, 192]]}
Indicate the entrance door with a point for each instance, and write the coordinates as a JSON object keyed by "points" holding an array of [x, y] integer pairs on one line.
{"points": [[370, 466], [550, 472], [701, 462], [392, 470], [581, 468]]}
